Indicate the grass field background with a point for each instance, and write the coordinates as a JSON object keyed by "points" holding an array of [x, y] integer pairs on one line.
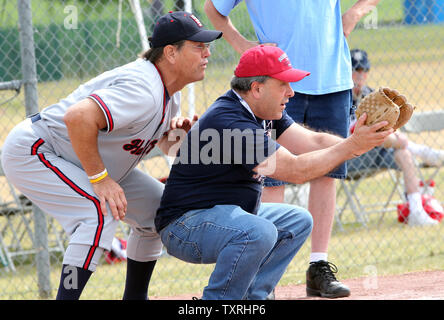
{"points": [[407, 58]]}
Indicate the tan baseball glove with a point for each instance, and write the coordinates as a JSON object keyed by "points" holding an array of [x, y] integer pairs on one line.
{"points": [[386, 104]]}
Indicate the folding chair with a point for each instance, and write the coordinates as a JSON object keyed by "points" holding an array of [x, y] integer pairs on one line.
{"points": [[361, 210], [421, 122]]}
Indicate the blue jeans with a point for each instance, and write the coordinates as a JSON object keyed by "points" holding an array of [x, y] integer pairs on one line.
{"points": [[251, 252], [326, 113]]}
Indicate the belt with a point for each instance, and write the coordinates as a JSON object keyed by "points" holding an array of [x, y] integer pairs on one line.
{"points": [[35, 117]]}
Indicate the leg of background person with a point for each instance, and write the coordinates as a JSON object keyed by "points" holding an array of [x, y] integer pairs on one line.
{"points": [[403, 159], [320, 278], [430, 156], [322, 202], [417, 216], [273, 194], [322, 206]]}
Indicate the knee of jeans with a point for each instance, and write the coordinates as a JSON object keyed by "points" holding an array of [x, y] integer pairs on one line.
{"points": [[303, 224], [264, 235], [306, 222]]}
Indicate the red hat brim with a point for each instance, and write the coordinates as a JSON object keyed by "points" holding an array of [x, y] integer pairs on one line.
{"points": [[291, 75]]}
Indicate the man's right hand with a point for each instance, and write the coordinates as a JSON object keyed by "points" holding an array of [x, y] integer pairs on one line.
{"points": [[107, 190]]}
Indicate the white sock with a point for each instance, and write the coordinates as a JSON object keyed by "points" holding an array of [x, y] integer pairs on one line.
{"points": [[427, 154], [415, 200], [318, 256], [419, 150]]}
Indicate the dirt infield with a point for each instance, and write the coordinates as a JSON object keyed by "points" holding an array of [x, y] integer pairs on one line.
{"points": [[427, 285], [411, 286]]}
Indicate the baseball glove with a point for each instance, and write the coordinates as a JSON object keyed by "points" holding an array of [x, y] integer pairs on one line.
{"points": [[386, 104]]}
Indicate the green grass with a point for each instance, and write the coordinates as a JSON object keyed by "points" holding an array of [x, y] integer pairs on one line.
{"points": [[391, 250]]}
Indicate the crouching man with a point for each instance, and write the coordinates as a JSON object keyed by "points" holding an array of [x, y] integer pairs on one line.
{"points": [[210, 210]]}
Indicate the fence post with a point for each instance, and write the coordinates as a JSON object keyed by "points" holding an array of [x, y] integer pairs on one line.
{"points": [[29, 72], [191, 94]]}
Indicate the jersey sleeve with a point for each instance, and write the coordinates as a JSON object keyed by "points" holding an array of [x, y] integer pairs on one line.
{"points": [[125, 103], [225, 6], [283, 124], [175, 105]]}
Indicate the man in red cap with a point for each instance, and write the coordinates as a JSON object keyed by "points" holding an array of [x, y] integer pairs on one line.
{"points": [[211, 211]]}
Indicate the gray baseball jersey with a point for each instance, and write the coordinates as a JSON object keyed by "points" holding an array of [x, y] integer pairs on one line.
{"points": [[38, 158]]}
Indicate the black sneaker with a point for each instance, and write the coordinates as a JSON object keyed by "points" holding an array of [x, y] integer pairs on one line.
{"points": [[322, 282]]}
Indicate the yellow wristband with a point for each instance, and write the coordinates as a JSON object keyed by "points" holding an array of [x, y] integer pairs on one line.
{"points": [[97, 175], [101, 176]]}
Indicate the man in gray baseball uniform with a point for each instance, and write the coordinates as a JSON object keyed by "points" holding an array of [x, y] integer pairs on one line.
{"points": [[77, 159]]}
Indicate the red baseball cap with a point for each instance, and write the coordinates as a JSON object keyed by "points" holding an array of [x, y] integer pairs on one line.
{"points": [[270, 61]]}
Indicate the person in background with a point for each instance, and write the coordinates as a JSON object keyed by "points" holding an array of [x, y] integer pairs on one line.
{"points": [[397, 152]]}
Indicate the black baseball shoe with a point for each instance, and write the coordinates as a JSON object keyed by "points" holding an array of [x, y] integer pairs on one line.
{"points": [[322, 282]]}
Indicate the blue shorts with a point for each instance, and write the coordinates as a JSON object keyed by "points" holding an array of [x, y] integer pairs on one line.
{"points": [[376, 158], [327, 113]]}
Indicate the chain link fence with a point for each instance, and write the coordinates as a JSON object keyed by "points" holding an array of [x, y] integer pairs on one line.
{"points": [[79, 39]]}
